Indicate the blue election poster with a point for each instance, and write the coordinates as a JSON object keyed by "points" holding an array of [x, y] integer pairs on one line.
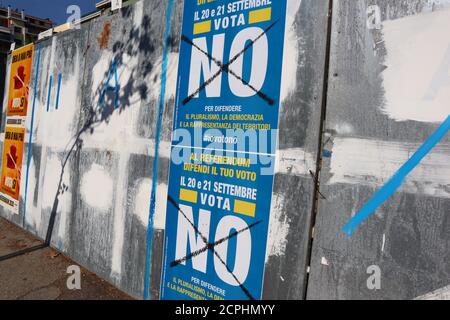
{"points": [[224, 142]]}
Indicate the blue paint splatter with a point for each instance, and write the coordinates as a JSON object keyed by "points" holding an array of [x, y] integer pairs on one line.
{"points": [[59, 89], [156, 157], [31, 135], [397, 179]]}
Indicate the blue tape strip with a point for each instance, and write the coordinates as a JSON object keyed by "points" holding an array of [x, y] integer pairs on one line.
{"points": [[156, 158], [36, 78], [59, 89], [50, 82], [397, 179]]}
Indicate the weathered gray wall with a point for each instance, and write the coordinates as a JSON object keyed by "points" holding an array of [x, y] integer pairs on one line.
{"points": [[101, 212], [371, 133]]}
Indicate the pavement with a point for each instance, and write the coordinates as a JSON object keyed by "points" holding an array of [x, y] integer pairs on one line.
{"points": [[42, 274]]}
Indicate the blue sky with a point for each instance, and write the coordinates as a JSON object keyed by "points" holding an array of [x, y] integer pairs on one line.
{"points": [[52, 9]]}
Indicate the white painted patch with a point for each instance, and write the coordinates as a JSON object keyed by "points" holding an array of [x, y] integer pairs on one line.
{"points": [[100, 73], [324, 261], [142, 203], [51, 180], [97, 188], [278, 228], [161, 205], [132, 144], [434, 5], [440, 294], [59, 126], [418, 48], [291, 51], [373, 163], [120, 127], [6, 89], [40, 114], [62, 225]]}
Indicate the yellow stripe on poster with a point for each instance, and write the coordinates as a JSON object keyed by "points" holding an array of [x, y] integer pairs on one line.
{"points": [[188, 195], [260, 15], [202, 27], [245, 208]]}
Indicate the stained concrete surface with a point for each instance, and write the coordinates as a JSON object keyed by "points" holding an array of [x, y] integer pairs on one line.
{"points": [[43, 274]]}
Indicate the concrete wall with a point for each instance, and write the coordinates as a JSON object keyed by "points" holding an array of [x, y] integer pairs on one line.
{"points": [[90, 170]]}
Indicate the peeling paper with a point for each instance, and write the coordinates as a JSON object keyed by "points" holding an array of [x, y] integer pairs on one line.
{"points": [[121, 183]]}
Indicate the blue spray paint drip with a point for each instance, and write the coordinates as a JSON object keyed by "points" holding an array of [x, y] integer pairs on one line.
{"points": [[397, 179], [50, 82], [31, 135], [58, 91], [108, 87], [155, 160]]}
